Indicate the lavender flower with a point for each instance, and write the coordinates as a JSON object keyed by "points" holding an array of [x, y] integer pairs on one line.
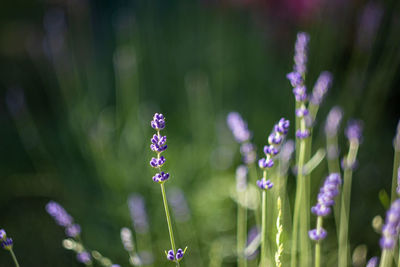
{"points": [[300, 93], [321, 87], [275, 139], [7, 243], [138, 213], [333, 120], [84, 257], [353, 131], [300, 56], [3, 234], [295, 79], [238, 127], [180, 207], [326, 195], [158, 143], [176, 258], [158, 122], [396, 141], [302, 134], [390, 230], [373, 262], [62, 218], [398, 182], [248, 153]]}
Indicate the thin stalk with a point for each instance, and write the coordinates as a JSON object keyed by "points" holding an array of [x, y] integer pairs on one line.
{"points": [[318, 243], [14, 258], [345, 205], [386, 258], [298, 201], [241, 230], [396, 164], [263, 226], [171, 232], [334, 167], [253, 178]]}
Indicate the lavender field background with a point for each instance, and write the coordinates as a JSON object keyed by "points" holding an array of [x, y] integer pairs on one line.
{"points": [[81, 80]]}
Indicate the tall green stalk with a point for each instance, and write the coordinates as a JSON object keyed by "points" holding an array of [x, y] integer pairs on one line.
{"points": [[396, 163], [345, 204], [386, 258], [241, 229], [14, 257], [263, 225], [318, 243], [170, 230]]}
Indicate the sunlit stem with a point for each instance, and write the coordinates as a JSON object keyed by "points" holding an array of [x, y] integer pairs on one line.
{"points": [[263, 259], [318, 243]]}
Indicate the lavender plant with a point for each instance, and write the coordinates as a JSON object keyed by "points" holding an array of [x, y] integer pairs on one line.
{"points": [[396, 162], [7, 244], [326, 196], [158, 145], [275, 140], [354, 135], [390, 233]]}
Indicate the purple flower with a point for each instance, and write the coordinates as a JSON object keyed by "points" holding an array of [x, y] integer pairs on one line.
{"points": [[157, 162], [115, 265], [137, 210], [7, 243], [302, 134], [248, 153], [295, 79], [270, 150], [179, 205], [83, 257], [396, 141], [390, 230], [321, 87], [300, 56], [161, 177], [282, 126], [373, 262], [179, 254], [264, 163], [170, 255], [326, 195], [300, 93], [332, 121], [302, 112], [353, 131], [73, 230], [317, 235], [59, 214], [158, 143], [158, 122], [253, 233], [264, 184], [3, 234], [238, 127]]}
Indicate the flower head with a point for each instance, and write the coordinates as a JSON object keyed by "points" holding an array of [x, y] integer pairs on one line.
{"points": [[175, 257], [241, 178], [137, 210], [158, 143], [353, 131], [7, 243], [295, 79], [326, 195], [390, 230], [126, 238], [321, 87], [3, 234], [316, 235], [248, 153], [333, 121], [158, 122], [59, 214], [373, 262], [73, 230], [264, 184], [300, 56], [84, 257], [238, 127], [396, 141]]}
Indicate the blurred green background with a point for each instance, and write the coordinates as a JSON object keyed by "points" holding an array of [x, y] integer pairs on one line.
{"points": [[80, 81]]}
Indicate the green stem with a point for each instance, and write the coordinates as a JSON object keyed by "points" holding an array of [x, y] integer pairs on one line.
{"points": [[241, 230], [345, 205], [14, 258], [386, 258], [299, 198], [263, 228], [318, 243], [171, 232], [396, 164]]}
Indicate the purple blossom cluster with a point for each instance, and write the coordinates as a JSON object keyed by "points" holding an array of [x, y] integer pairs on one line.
{"points": [[353, 131], [241, 178], [137, 210], [398, 181], [325, 201], [321, 88], [391, 228], [373, 262], [275, 139], [175, 257], [84, 257], [179, 204], [300, 57], [62, 218], [333, 120], [5, 242], [158, 145], [242, 135], [396, 141]]}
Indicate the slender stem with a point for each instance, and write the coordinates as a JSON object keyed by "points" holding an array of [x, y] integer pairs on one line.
{"points": [[241, 229], [318, 243], [171, 232], [396, 164], [345, 205], [14, 258], [299, 198], [386, 258], [263, 228]]}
